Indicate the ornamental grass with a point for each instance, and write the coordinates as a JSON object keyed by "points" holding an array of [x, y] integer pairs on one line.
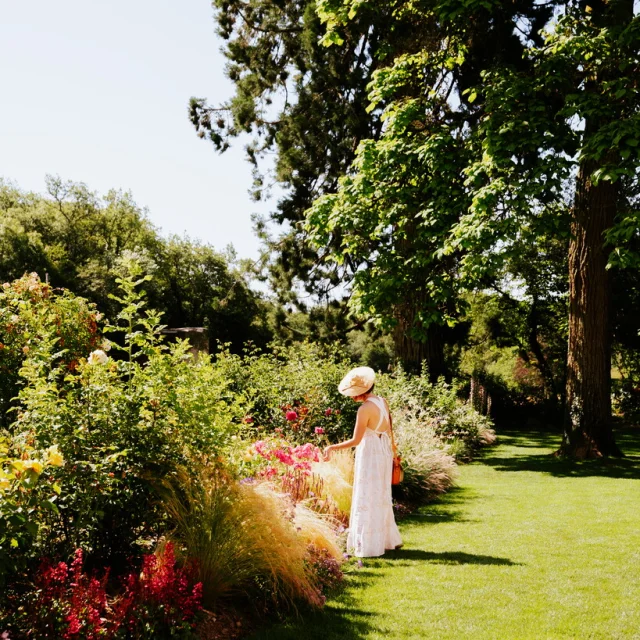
{"points": [[243, 538], [429, 469], [335, 486], [317, 529]]}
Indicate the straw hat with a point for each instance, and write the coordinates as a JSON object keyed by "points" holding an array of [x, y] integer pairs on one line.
{"points": [[357, 381]]}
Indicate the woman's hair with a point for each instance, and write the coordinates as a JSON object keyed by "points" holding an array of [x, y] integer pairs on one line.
{"points": [[364, 393]]}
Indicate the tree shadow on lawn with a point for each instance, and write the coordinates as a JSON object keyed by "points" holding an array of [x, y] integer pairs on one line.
{"points": [[627, 467], [346, 620], [404, 557]]}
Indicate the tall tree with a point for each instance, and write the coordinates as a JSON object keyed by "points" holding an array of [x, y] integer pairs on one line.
{"points": [[557, 126], [321, 113]]}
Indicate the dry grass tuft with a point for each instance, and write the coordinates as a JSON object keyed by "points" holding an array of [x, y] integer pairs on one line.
{"points": [[240, 536], [335, 486], [317, 529]]}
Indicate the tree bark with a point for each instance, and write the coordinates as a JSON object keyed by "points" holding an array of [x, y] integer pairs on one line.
{"points": [[588, 432], [413, 352]]}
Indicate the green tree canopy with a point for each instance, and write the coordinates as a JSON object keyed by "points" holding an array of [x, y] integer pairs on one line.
{"points": [[81, 241], [480, 172]]}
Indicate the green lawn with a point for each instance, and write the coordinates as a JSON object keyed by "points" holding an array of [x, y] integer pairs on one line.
{"points": [[526, 547]]}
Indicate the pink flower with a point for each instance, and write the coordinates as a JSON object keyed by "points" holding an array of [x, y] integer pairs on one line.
{"points": [[327, 412], [292, 415], [306, 451], [319, 430], [269, 472], [284, 457], [337, 411], [261, 448], [278, 430]]}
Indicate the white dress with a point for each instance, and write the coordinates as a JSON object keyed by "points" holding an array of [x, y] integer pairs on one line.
{"points": [[372, 526]]}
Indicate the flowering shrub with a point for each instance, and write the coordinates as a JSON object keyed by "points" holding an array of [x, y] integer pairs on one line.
{"points": [[28, 491], [119, 423], [162, 600], [298, 457], [438, 408], [30, 312], [292, 391]]}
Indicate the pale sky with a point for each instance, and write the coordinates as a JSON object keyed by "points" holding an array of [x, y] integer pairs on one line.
{"points": [[97, 92]]}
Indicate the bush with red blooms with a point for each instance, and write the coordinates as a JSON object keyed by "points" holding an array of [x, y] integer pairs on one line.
{"points": [[161, 601], [283, 457]]}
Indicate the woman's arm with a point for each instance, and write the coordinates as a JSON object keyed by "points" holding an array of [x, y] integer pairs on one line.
{"points": [[362, 420]]}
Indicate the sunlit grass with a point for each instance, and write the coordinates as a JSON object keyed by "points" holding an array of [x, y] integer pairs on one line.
{"points": [[528, 547]]}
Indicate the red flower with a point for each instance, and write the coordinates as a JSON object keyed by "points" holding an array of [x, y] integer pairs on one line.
{"points": [[327, 412], [291, 415], [319, 430]]}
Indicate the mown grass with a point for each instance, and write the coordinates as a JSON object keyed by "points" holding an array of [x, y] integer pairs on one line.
{"points": [[527, 547]]}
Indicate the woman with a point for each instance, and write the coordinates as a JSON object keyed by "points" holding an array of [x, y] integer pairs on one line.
{"points": [[372, 526]]}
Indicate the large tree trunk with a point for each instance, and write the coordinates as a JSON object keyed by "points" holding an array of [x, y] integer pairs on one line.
{"points": [[413, 352], [588, 431]]}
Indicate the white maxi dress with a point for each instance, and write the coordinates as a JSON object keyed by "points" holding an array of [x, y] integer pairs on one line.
{"points": [[372, 526]]}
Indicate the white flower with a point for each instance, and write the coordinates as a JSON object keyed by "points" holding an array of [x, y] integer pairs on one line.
{"points": [[106, 345], [98, 357]]}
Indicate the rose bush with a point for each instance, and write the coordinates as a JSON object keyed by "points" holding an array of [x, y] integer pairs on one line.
{"points": [[28, 494]]}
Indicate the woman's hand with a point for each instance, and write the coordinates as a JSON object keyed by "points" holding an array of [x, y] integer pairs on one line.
{"points": [[326, 454]]}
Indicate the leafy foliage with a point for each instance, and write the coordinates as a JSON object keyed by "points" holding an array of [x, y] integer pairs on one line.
{"points": [[32, 312], [119, 424], [84, 243]]}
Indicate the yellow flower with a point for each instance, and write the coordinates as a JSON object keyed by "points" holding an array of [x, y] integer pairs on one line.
{"points": [[247, 457], [36, 465], [4, 484], [54, 457], [18, 465]]}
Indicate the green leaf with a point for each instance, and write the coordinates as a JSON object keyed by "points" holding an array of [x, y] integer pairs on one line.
{"points": [[52, 506]]}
